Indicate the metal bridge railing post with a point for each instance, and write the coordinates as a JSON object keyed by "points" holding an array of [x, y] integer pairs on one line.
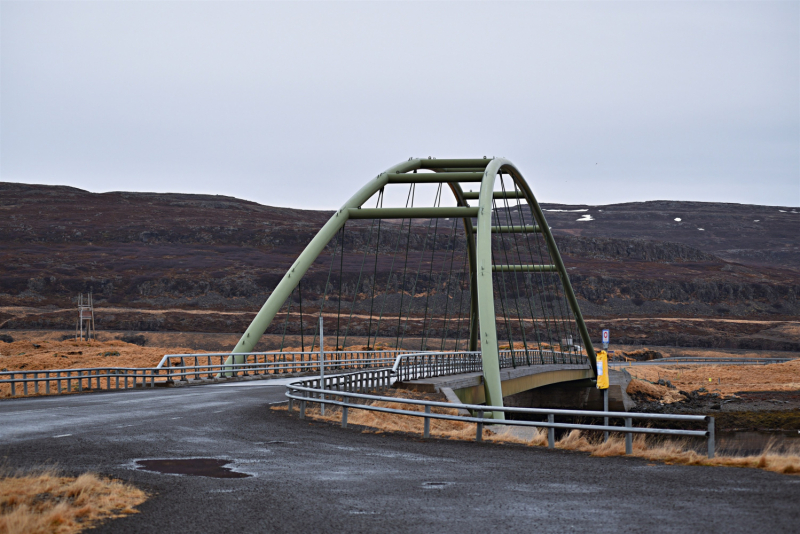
{"points": [[344, 412], [551, 432], [628, 436], [426, 427], [303, 406], [711, 442], [479, 430], [605, 409]]}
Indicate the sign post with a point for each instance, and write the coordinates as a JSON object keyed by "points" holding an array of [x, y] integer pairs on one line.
{"points": [[602, 382], [606, 338], [321, 365]]}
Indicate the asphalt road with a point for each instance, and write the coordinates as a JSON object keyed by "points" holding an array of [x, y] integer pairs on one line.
{"points": [[317, 477]]}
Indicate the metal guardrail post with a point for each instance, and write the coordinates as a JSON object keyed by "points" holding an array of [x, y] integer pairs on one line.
{"points": [[321, 363], [344, 412], [47, 383], [479, 430], [303, 406], [25, 384], [13, 387], [551, 432], [426, 427], [711, 441], [628, 436], [605, 409]]}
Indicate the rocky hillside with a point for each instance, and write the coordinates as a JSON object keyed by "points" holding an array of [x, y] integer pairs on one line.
{"points": [[220, 254]]}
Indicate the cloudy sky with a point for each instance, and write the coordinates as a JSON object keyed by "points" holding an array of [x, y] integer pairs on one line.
{"points": [[297, 104]]}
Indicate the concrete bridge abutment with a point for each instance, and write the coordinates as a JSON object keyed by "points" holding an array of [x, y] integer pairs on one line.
{"points": [[541, 386]]}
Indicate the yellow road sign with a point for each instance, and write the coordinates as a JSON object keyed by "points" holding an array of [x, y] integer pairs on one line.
{"points": [[602, 370]]}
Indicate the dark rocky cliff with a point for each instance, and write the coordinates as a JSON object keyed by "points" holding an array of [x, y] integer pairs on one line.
{"points": [[219, 254]]}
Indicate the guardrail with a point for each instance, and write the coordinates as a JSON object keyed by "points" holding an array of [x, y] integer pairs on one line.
{"points": [[307, 361], [185, 368], [429, 364], [420, 365], [678, 360], [522, 357], [354, 386]]}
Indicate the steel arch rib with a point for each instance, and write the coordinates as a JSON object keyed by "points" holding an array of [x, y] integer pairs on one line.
{"points": [[301, 265]]}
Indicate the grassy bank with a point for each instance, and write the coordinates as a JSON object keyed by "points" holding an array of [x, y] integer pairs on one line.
{"points": [[46, 502]]}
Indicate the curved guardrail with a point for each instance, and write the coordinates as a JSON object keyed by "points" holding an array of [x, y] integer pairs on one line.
{"points": [[341, 390]]}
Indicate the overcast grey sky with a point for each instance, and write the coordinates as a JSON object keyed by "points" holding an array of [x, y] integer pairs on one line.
{"points": [[298, 104]]}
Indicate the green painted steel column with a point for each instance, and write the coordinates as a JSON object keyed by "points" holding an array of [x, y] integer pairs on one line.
{"points": [[486, 312]]}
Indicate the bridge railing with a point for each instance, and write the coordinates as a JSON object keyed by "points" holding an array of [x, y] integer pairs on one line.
{"points": [[522, 357], [421, 365], [185, 368], [417, 366], [196, 367], [287, 362], [352, 391]]}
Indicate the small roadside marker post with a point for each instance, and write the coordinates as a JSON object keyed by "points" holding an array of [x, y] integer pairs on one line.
{"points": [[321, 365]]}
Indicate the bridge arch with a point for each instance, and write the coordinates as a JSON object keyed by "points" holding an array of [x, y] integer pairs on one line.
{"points": [[479, 257]]}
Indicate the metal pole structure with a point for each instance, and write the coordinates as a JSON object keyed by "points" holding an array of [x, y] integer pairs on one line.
{"points": [[605, 409], [321, 364], [486, 311]]}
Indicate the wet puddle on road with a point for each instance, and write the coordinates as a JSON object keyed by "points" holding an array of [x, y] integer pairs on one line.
{"points": [[435, 485], [197, 467]]}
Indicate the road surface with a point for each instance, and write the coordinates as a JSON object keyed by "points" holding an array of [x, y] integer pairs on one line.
{"points": [[315, 477]]}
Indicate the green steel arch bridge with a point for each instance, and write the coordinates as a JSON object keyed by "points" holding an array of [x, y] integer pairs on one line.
{"points": [[465, 271]]}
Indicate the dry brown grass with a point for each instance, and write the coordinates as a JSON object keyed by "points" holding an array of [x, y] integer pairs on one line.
{"points": [[654, 391], [725, 379], [70, 354], [29, 356], [669, 451], [49, 503]]}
